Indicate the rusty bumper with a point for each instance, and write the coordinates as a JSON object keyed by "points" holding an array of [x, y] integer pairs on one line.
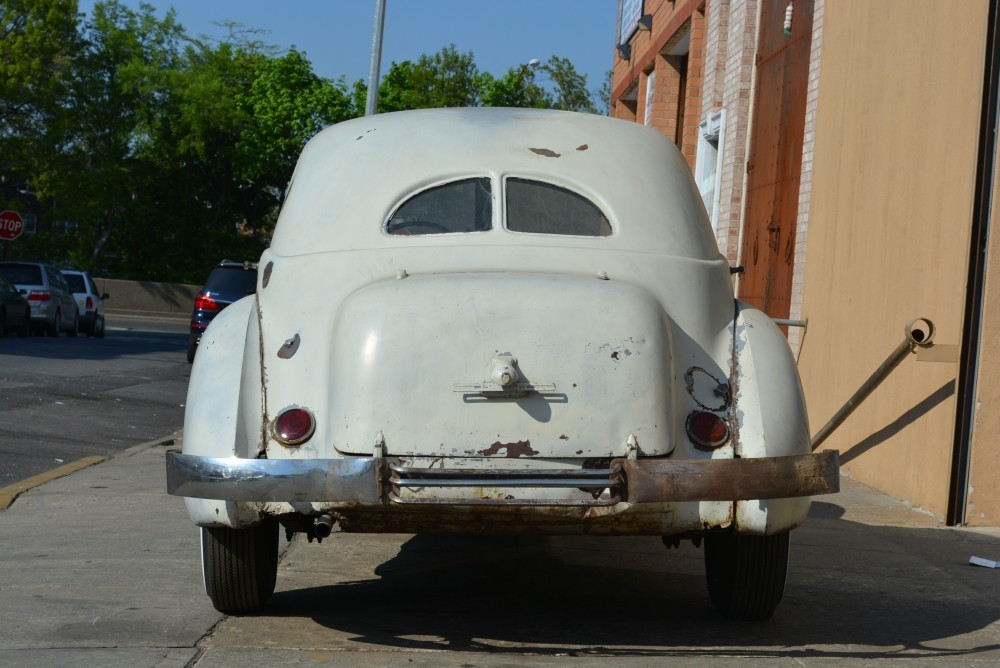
{"points": [[367, 481], [657, 480]]}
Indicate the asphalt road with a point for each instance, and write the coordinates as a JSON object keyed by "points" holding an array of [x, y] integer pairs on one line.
{"points": [[64, 399]]}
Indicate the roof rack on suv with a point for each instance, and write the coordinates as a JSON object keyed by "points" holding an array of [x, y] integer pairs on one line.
{"points": [[246, 264]]}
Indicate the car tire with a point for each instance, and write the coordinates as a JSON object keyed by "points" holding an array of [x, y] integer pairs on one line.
{"points": [[192, 348], [746, 574], [240, 566], [74, 331], [55, 326], [97, 329], [24, 331]]}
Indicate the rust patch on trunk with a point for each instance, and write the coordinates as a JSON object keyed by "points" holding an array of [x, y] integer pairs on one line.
{"points": [[545, 152], [582, 147], [513, 450], [564, 437]]}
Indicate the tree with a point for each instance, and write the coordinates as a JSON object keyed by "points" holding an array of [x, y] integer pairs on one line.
{"points": [[570, 87], [445, 79], [116, 82], [38, 39], [517, 88]]}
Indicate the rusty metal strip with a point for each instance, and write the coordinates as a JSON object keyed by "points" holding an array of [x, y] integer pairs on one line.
{"points": [[651, 481], [571, 483], [561, 503]]}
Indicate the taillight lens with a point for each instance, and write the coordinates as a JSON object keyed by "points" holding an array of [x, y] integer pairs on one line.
{"points": [[293, 426], [206, 303], [90, 302], [707, 430], [39, 296]]}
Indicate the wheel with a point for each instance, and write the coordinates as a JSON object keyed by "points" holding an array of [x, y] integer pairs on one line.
{"points": [[192, 347], [746, 574], [53, 329], [240, 566], [74, 331], [97, 329]]}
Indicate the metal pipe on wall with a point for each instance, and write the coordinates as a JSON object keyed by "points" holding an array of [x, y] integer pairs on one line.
{"points": [[919, 333]]}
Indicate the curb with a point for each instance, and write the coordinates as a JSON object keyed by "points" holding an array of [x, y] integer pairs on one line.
{"points": [[10, 493]]}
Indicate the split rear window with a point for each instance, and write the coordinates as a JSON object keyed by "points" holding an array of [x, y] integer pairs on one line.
{"points": [[533, 207]]}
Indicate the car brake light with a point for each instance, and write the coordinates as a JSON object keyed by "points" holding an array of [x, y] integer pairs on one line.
{"points": [[293, 426], [39, 296], [90, 302], [206, 303], [707, 430]]}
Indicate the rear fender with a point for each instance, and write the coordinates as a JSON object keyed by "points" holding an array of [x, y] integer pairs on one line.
{"points": [[224, 409], [770, 414]]}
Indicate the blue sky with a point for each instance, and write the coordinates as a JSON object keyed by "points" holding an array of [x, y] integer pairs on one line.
{"points": [[336, 35]]}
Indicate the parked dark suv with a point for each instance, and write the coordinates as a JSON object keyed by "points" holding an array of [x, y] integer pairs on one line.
{"points": [[227, 283]]}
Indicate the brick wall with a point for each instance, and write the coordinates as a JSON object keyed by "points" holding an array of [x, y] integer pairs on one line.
{"points": [[805, 182], [730, 60]]}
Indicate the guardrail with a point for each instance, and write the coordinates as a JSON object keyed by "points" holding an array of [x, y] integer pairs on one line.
{"points": [[148, 297]]}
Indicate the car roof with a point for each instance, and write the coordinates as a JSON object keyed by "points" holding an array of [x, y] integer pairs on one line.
{"points": [[352, 175]]}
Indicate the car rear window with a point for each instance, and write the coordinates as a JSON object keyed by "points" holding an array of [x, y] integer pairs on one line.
{"points": [[75, 282], [232, 280], [24, 274], [460, 206], [543, 208]]}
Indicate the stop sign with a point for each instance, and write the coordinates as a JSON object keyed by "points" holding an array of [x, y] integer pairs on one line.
{"points": [[11, 225]]}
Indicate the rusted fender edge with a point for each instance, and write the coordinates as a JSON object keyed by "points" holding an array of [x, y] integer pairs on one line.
{"points": [[659, 480]]}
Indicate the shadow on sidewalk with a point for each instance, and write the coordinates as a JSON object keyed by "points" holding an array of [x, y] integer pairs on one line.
{"points": [[854, 591]]}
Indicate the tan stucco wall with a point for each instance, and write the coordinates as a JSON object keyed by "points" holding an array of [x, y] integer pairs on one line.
{"points": [[983, 508], [888, 230]]}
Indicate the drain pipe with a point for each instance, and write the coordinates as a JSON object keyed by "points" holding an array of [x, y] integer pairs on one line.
{"points": [[919, 334]]}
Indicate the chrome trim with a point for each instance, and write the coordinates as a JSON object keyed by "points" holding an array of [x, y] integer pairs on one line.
{"points": [[350, 479], [356, 480]]}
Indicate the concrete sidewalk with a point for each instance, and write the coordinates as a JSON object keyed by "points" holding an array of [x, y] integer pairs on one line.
{"points": [[101, 568]]}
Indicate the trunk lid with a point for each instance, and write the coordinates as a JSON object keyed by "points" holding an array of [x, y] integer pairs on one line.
{"points": [[502, 365]]}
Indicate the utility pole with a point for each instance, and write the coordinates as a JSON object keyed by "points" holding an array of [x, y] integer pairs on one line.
{"points": [[371, 104]]}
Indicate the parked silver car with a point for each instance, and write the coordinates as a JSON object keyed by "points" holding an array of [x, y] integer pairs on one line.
{"points": [[53, 308], [89, 300]]}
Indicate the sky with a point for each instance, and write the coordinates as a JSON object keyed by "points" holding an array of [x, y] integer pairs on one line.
{"points": [[336, 35]]}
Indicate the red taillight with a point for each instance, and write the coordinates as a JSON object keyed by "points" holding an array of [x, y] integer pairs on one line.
{"points": [[90, 302], [39, 296], [293, 426], [707, 430], [206, 303]]}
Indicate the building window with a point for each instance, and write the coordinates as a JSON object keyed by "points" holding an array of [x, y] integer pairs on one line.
{"points": [[708, 162], [647, 117]]}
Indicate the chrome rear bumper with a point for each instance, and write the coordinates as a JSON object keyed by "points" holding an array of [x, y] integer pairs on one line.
{"points": [[369, 481]]}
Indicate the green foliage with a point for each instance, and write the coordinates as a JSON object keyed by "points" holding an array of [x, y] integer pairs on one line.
{"points": [[37, 39], [446, 79], [165, 153], [517, 88], [570, 87]]}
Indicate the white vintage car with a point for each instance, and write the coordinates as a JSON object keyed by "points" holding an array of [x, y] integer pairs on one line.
{"points": [[496, 321]]}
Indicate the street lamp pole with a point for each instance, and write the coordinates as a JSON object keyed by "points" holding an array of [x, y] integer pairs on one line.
{"points": [[518, 88], [371, 103]]}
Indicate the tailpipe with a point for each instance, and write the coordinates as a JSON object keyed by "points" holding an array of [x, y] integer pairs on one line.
{"points": [[919, 333], [323, 526]]}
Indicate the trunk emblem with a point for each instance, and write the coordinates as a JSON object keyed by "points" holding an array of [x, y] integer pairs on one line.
{"points": [[504, 382]]}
